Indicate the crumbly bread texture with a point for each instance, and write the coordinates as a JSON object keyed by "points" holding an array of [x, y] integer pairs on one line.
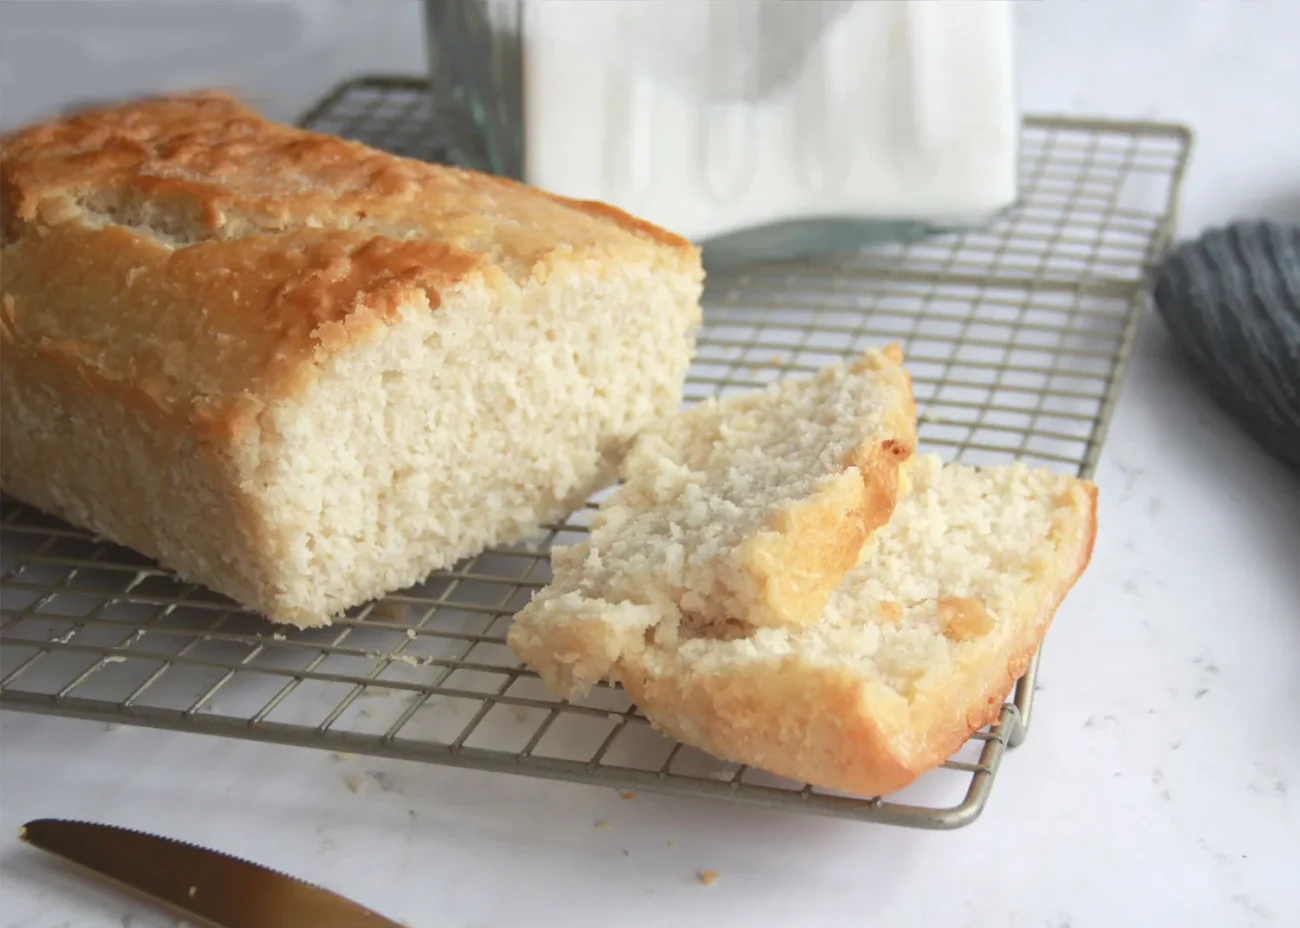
{"points": [[751, 507], [918, 647], [305, 372]]}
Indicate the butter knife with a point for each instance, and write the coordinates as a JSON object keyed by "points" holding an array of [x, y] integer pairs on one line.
{"points": [[222, 890]]}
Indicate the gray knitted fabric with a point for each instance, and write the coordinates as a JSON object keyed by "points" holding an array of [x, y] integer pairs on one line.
{"points": [[1231, 301]]}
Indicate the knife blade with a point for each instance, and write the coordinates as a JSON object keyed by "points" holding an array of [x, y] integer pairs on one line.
{"points": [[223, 890]]}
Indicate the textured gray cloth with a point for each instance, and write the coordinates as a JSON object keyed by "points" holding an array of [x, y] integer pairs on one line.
{"points": [[1231, 301]]}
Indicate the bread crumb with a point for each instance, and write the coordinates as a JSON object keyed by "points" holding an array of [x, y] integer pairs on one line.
{"points": [[277, 636], [521, 712], [627, 794], [410, 633], [602, 824], [709, 877], [353, 783], [774, 360], [194, 891], [387, 609]]}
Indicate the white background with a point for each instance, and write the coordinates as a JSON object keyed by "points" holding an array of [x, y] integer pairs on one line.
{"points": [[1159, 785]]}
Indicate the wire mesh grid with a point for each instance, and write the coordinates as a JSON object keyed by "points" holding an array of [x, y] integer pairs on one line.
{"points": [[1016, 335]]}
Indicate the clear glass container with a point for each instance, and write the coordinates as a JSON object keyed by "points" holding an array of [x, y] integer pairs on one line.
{"points": [[759, 128]]}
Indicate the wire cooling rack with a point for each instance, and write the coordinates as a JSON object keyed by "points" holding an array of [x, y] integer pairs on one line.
{"points": [[1016, 335]]}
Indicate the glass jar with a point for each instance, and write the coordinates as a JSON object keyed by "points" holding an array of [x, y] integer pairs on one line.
{"points": [[759, 128]]}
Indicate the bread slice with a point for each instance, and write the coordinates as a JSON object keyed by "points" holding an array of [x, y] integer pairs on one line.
{"points": [[918, 648], [753, 506], [305, 372]]}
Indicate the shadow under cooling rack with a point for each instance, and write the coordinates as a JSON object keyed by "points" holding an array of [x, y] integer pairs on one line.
{"points": [[1016, 335]]}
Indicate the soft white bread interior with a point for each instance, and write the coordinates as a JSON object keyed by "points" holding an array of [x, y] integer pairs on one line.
{"points": [[918, 647], [304, 372], [751, 507]]}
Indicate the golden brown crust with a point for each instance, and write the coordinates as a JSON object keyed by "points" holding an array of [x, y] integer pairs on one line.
{"points": [[625, 221], [821, 724], [206, 261], [792, 718], [210, 164], [985, 707], [807, 549], [205, 334]]}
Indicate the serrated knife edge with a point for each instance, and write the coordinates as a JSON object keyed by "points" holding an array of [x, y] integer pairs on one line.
{"points": [[218, 888]]}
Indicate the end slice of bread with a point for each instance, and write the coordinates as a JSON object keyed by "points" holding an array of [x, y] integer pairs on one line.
{"points": [[918, 647], [751, 507]]}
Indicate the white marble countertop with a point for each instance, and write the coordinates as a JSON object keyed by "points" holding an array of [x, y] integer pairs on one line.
{"points": [[1159, 785]]}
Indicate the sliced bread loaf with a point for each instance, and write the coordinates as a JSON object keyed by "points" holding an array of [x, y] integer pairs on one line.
{"points": [[304, 372], [750, 507], [918, 646]]}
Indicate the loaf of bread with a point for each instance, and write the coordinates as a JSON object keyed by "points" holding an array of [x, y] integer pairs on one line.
{"points": [[753, 506], [917, 649], [305, 372]]}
